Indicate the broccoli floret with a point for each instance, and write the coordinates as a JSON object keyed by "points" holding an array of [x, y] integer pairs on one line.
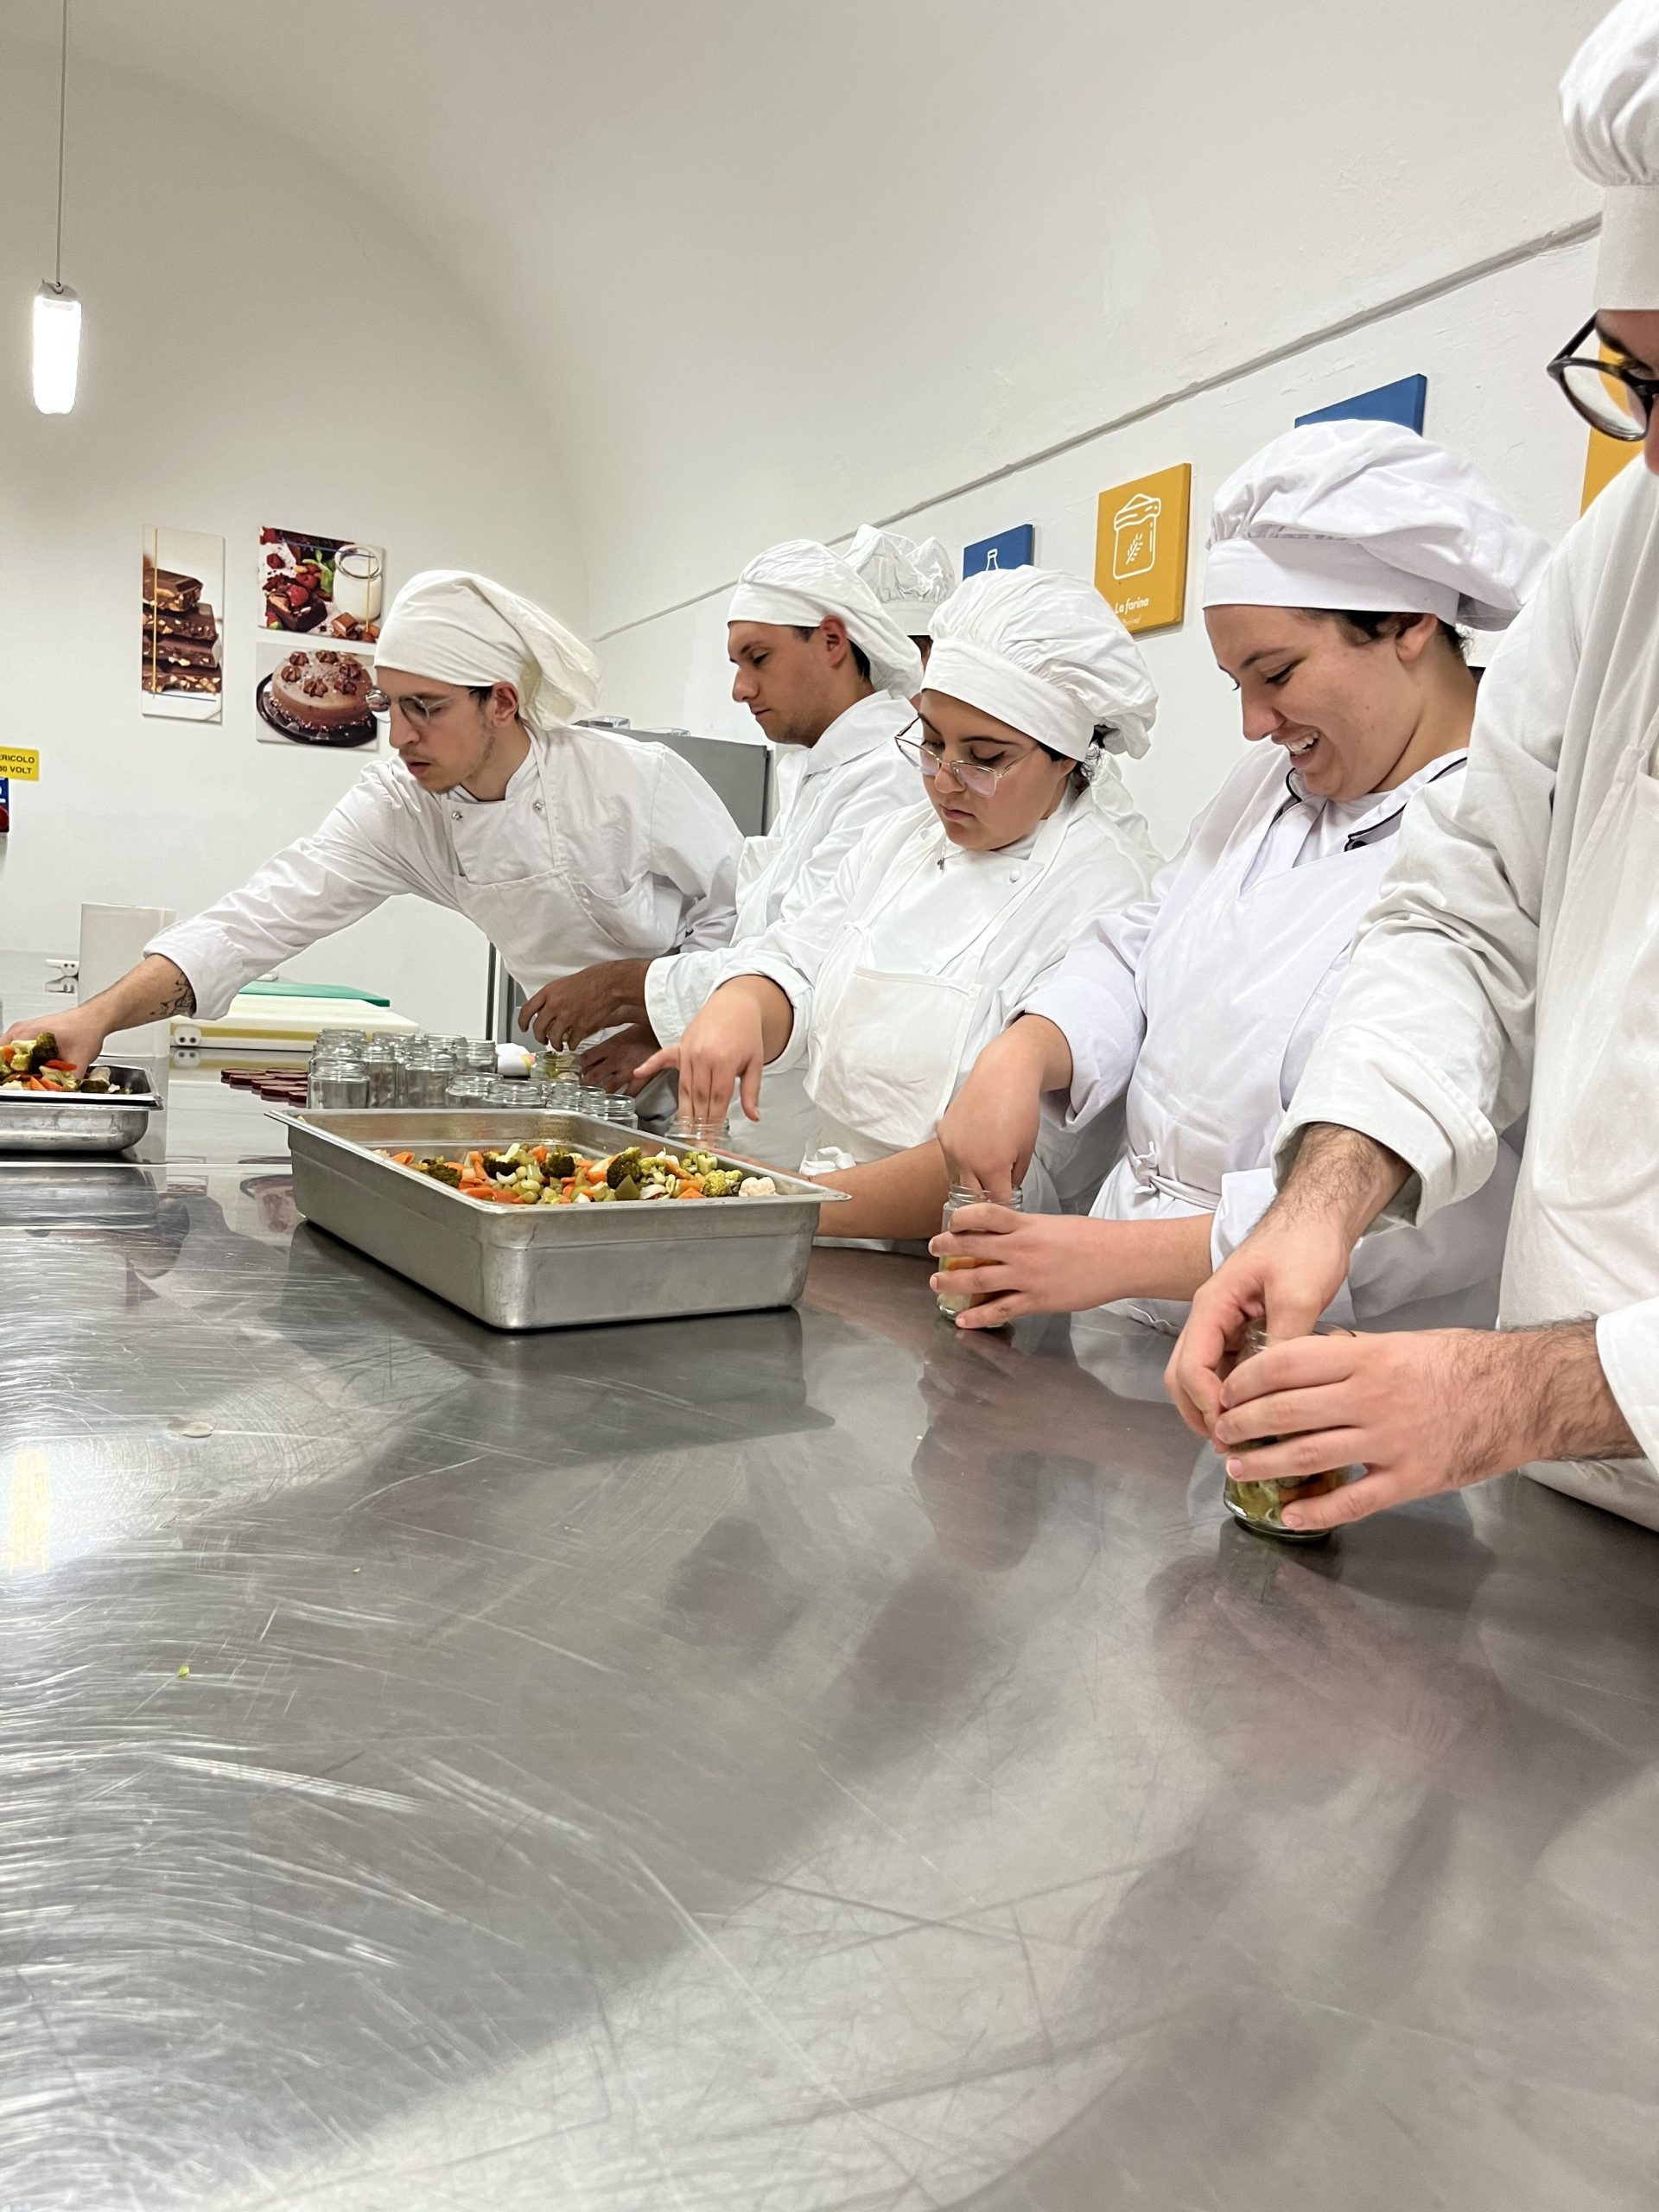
{"points": [[702, 1164], [721, 1183], [498, 1166], [558, 1164], [626, 1166]]}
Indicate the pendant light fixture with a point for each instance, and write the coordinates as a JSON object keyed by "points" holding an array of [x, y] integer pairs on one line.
{"points": [[57, 308]]}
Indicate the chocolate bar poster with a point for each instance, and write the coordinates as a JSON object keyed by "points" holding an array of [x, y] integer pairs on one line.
{"points": [[183, 675], [313, 691], [329, 590]]}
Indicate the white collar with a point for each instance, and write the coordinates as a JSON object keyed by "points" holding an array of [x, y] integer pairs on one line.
{"points": [[1376, 806], [865, 727], [526, 773]]}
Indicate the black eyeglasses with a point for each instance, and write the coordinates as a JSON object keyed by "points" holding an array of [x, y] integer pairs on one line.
{"points": [[1611, 396]]}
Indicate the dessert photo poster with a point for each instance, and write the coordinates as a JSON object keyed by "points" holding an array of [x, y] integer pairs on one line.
{"points": [[182, 675], [320, 605]]}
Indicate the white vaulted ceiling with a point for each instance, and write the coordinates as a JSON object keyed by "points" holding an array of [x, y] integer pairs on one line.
{"points": [[770, 266]]}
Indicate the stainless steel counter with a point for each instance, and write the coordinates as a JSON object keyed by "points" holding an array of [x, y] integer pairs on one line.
{"points": [[803, 1760]]}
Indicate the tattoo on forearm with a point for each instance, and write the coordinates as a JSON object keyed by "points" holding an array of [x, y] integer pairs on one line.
{"points": [[181, 999]]}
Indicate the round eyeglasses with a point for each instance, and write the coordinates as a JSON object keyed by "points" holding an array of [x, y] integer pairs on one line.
{"points": [[927, 755], [1612, 397]]}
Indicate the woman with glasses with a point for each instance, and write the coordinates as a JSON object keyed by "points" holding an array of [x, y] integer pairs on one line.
{"points": [[565, 846], [940, 923], [1342, 558]]}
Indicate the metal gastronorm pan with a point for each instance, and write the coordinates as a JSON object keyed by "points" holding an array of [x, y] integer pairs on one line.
{"points": [[547, 1266], [86, 1122]]}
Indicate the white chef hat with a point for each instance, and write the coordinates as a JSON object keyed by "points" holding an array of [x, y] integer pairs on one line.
{"points": [[1371, 518], [1045, 654], [800, 581], [463, 628], [913, 582], [1610, 107]]}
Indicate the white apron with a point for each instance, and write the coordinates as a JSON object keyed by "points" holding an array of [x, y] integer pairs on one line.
{"points": [[888, 1045], [1226, 994], [1584, 1236], [548, 922]]}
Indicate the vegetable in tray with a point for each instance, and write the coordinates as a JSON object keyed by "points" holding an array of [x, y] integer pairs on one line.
{"points": [[554, 1175], [34, 1066]]}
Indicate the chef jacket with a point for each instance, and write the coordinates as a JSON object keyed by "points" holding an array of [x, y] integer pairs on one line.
{"points": [[1512, 962], [1199, 1005], [920, 951], [854, 777], [602, 849]]}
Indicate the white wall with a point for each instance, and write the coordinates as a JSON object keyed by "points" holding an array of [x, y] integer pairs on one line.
{"points": [[774, 268], [262, 344], [1483, 346]]}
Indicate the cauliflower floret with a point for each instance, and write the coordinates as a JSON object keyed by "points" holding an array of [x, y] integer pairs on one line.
{"points": [[757, 1187]]}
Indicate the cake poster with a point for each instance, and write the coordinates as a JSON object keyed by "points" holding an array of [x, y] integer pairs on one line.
{"points": [[328, 588], [183, 674], [308, 691]]}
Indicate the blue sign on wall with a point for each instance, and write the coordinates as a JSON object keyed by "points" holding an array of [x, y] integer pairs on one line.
{"points": [[1402, 403], [1009, 549]]}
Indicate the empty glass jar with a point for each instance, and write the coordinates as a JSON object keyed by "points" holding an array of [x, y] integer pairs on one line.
{"points": [[339, 1084]]}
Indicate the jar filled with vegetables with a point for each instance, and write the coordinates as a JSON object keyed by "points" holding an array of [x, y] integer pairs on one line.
{"points": [[1260, 1506], [957, 1300]]}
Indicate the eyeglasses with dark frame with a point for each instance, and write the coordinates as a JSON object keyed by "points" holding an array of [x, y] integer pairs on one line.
{"points": [[972, 775], [1611, 396]]}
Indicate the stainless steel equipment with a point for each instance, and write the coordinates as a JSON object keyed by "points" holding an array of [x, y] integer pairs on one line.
{"points": [[770, 1763], [547, 1266], [81, 1121]]}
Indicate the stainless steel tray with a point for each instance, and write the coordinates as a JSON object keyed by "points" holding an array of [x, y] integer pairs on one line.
{"points": [[89, 1123], [547, 1266]]}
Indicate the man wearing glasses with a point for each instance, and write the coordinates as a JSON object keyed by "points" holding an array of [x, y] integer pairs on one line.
{"points": [[565, 845], [1511, 966]]}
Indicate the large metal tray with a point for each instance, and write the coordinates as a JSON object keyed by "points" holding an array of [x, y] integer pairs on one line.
{"points": [[86, 1122], [547, 1266]]}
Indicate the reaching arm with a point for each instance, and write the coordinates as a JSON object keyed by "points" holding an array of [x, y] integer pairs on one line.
{"points": [[745, 1025], [347, 868], [153, 991], [990, 1130], [900, 1197], [1289, 1271]]}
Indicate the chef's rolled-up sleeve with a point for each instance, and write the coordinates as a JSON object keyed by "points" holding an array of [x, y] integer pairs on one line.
{"points": [[342, 872], [1628, 1342]]}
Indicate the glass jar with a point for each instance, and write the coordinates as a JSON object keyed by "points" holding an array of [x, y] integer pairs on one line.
{"points": [[381, 1063], [955, 1302], [622, 1111], [478, 1057], [1259, 1507], [426, 1077], [592, 1100], [346, 1041], [340, 1084], [466, 1089], [708, 1134], [564, 1096]]}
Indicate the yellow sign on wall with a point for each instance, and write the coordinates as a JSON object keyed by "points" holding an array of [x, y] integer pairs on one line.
{"points": [[1141, 548], [20, 768]]}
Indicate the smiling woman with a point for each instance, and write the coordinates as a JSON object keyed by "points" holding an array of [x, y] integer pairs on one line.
{"points": [[1198, 1007]]}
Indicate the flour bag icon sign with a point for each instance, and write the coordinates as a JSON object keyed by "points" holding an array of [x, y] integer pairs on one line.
{"points": [[1134, 537]]}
